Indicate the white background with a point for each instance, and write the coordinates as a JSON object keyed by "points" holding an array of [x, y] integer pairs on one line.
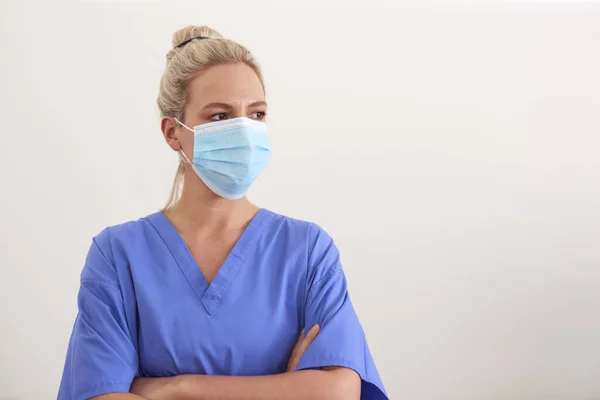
{"points": [[451, 149]]}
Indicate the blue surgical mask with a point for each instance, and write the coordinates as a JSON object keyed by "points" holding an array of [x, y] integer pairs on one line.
{"points": [[230, 154]]}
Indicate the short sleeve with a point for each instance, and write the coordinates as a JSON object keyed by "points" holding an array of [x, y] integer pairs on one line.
{"points": [[341, 341], [101, 357]]}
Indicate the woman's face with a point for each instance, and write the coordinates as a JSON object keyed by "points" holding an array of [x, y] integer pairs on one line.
{"points": [[219, 93]]}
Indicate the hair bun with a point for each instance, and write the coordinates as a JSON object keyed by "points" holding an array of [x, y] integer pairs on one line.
{"points": [[187, 33], [193, 31]]}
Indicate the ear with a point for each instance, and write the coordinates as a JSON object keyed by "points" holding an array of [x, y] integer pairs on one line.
{"points": [[169, 128]]}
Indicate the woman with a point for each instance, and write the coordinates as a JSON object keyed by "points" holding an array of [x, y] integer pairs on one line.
{"points": [[206, 299]]}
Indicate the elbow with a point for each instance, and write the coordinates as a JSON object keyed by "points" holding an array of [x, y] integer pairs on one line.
{"points": [[346, 384]]}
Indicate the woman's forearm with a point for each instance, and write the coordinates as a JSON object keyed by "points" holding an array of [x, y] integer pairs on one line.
{"points": [[339, 383], [117, 396], [327, 383]]}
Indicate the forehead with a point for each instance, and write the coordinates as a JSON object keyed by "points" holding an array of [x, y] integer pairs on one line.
{"points": [[228, 83]]}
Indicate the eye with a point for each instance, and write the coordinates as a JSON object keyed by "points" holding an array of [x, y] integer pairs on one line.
{"points": [[259, 115], [218, 117]]}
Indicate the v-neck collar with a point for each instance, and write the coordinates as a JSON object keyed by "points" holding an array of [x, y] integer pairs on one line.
{"points": [[209, 295]]}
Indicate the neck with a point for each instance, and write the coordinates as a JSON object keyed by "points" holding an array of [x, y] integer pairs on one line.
{"points": [[201, 209]]}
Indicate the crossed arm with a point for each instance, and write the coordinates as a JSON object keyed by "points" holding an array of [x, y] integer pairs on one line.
{"points": [[329, 383], [339, 383]]}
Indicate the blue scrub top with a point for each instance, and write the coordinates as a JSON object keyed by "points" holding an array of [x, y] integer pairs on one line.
{"points": [[145, 308]]}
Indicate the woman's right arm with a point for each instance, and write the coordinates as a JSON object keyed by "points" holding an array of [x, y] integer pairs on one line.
{"points": [[118, 396], [102, 357]]}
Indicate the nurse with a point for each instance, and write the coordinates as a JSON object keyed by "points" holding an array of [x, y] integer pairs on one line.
{"points": [[214, 297]]}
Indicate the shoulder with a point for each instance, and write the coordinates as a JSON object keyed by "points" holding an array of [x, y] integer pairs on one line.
{"points": [[110, 245], [114, 237], [313, 234], [322, 255]]}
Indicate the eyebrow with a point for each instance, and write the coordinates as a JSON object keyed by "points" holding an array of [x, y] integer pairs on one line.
{"points": [[229, 107]]}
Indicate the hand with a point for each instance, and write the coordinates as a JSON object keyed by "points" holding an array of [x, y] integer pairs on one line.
{"points": [[301, 346], [156, 388]]}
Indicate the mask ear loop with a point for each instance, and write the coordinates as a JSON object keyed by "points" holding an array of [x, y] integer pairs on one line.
{"points": [[181, 151], [184, 125]]}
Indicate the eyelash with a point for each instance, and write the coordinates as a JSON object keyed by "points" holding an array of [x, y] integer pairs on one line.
{"points": [[263, 115]]}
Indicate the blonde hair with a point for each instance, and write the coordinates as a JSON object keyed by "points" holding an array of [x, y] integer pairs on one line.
{"points": [[183, 65]]}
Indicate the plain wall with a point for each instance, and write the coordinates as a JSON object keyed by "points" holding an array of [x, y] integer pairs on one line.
{"points": [[451, 149]]}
